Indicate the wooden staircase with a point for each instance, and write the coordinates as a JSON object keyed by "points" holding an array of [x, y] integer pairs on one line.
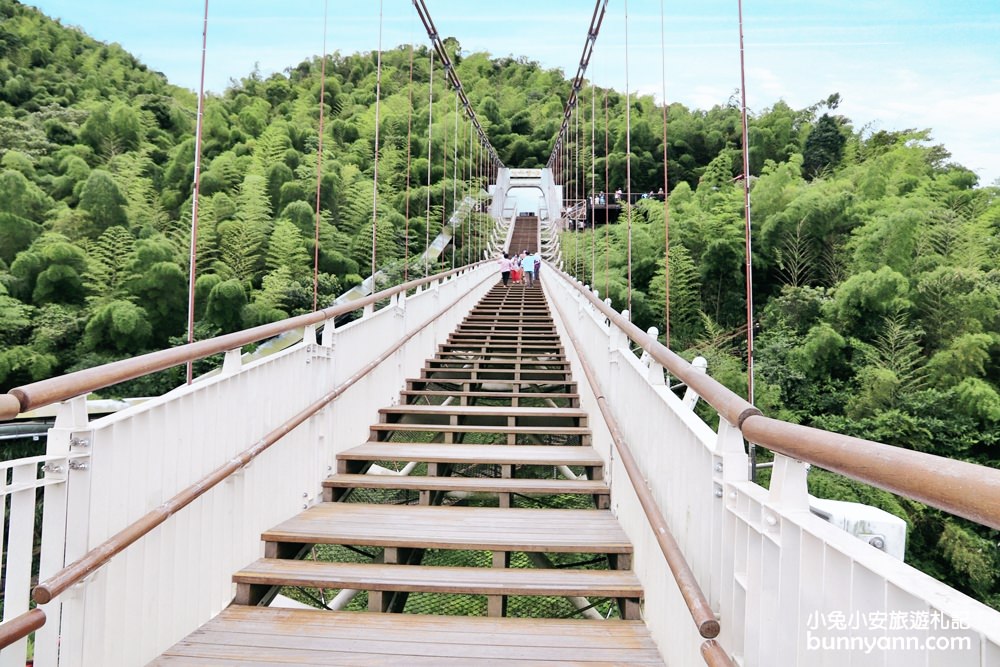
{"points": [[525, 235], [501, 475]]}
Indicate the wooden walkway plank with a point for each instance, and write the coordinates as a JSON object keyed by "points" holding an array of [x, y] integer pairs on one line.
{"points": [[489, 410], [438, 579], [261, 636], [485, 528], [467, 484], [497, 454]]}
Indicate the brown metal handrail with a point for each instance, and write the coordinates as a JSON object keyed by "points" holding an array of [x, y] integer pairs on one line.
{"points": [[46, 590], [52, 390], [714, 655], [20, 626], [964, 489], [695, 599]]}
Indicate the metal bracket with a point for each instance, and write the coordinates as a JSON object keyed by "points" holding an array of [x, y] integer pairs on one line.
{"points": [[314, 351]]}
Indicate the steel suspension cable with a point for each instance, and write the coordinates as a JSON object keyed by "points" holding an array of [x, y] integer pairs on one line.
{"points": [[454, 182], [444, 181], [600, 8], [593, 181], [628, 164], [472, 201], [751, 448], [478, 220], [378, 95], [452, 75], [319, 160], [607, 215], [409, 155], [666, 187], [746, 209], [430, 146], [196, 192], [576, 184], [463, 191]]}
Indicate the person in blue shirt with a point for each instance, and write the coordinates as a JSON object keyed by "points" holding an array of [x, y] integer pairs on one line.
{"points": [[528, 264]]}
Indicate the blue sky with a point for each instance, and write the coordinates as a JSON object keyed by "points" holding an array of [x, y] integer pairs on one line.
{"points": [[895, 63]]}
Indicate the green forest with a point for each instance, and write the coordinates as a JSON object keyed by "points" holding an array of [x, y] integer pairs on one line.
{"points": [[876, 288]]}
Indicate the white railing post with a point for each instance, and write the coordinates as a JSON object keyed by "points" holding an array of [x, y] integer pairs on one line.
{"points": [[329, 328], [700, 364], [232, 361], [20, 534], [724, 594], [788, 489], [64, 533]]}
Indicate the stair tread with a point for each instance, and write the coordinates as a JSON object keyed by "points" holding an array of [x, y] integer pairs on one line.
{"points": [[576, 455], [250, 635], [472, 484], [472, 410], [476, 428], [455, 527], [440, 579], [489, 394]]}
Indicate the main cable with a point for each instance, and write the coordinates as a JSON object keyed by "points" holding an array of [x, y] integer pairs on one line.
{"points": [[600, 8]]}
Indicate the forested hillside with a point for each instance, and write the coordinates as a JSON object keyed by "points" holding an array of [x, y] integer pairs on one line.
{"points": [[877, 298], [875, 280]]}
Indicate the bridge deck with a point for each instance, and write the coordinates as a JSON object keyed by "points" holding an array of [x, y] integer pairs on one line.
{"points": [[564, 553]]}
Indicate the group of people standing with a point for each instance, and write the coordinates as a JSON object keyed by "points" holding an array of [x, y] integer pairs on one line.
{"points": [[523, 267]]}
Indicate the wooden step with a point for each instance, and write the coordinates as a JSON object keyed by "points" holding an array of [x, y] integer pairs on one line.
{"points": [[500, 363], [496, 386], [514, 431], [480, 347], [510, 374], [536, 455], [503, 326], [561, 414], [436, 579], [242, 635], [443, 355], [409, 396], [537, 316], [454, 527], [467, 484]]}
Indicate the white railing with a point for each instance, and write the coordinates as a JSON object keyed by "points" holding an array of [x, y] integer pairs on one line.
{"points": [[788, 588], [102, 476]]}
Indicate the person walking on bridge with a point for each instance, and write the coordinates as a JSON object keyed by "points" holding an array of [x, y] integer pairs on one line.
{"points": [[528, 264], [505, 267]]}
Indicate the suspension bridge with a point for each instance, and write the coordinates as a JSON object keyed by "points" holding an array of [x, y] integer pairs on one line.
{"points": [[465, 473]]}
